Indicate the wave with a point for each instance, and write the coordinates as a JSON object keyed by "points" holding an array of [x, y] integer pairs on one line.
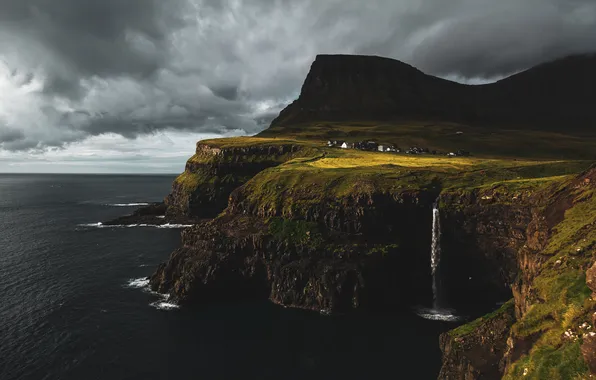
{"points": [[128, 204], [166, 225], [445, 315], [163, 303], [138, 283]]}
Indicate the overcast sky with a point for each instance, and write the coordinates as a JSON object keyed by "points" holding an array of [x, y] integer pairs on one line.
{"points": [[130, 85]]}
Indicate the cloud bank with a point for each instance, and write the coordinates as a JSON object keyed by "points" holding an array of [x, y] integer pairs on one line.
{"points": [[75, 70]]}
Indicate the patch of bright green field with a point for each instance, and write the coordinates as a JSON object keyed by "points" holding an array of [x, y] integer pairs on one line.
{"points": [[335, 173]]}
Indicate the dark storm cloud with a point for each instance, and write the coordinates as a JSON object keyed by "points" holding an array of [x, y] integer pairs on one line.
{"points": [[70, 69], [226, 92], [94, 37], [509, 38], [10, 135]]}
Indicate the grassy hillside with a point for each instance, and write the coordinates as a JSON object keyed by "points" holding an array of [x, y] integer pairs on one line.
{"points": [[482, 142], [333, 173]]}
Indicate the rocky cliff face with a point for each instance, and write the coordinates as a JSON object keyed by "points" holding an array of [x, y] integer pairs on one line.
{"points": [[588, 347], [476, 350], [366, 88], [203, 189], [551, 240], [291, 262], [483, 230], [335, 242]]}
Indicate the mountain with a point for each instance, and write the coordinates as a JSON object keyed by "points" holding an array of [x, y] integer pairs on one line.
{"points": [[556, 96]]}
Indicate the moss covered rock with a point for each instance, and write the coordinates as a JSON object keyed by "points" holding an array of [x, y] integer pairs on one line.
{"points": [[476, 350]]}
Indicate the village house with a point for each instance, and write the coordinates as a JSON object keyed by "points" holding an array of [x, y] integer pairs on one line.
{"points": [[363, 145], [417, 150], [335, 143], [367, 145], [387, 148], [459, 153]]}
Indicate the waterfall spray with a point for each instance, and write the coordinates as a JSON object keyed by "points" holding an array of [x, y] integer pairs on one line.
{"points": [[435, 251]]}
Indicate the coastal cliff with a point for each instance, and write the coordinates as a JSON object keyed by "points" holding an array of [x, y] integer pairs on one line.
{"points": [[550, 334], [310, 234], [290, 219], [216, 169]]}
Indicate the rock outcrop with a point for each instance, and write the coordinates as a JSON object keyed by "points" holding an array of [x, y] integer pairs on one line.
{"points": [[476, 350]]}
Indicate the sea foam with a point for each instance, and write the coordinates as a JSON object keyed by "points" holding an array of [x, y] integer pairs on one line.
{"points": [[138, 283], [445, 315], [128, 204], [163, 303], [166, 225]]}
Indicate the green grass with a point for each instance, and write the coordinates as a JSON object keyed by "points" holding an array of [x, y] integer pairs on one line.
{"points": [[481, 141], [298, 232], [553, 363], [576, 231], [254, 141], [335, 174], [191, 181], [563, 300], [470, 327]]}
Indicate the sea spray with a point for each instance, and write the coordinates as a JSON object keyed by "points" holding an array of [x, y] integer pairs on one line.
{"points": [[435, 252]]}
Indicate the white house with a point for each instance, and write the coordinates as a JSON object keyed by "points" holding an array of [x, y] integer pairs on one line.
{"points": [[344, 145], [381, 148]]}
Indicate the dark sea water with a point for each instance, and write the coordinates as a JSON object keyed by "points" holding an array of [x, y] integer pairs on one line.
{"points": [[67, 310]]}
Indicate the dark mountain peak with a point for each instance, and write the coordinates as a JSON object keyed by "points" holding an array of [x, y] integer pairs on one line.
{"points": [[554, 95], [359, 61]]}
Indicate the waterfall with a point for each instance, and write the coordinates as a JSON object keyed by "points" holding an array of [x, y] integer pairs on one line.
{"points": [[435, 252], [438, 312]]}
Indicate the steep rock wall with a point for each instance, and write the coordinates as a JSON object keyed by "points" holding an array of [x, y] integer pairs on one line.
{"points": [[293, 264], [553, 310], [476, 350], [210, 176]]}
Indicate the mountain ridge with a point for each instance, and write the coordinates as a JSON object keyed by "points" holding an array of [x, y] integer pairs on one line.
{"points": [[554, 96]]}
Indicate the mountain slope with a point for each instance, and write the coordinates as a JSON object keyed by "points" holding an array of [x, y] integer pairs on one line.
{"points": [[555, 96]]}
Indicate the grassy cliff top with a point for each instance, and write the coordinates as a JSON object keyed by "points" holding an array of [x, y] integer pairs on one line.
{"points": [[253, 141], [391, 170], [316, 171], [336, 173], [446, 137]]}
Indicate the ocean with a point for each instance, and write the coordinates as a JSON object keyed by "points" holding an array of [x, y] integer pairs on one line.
{"points": [[73, 303]]}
